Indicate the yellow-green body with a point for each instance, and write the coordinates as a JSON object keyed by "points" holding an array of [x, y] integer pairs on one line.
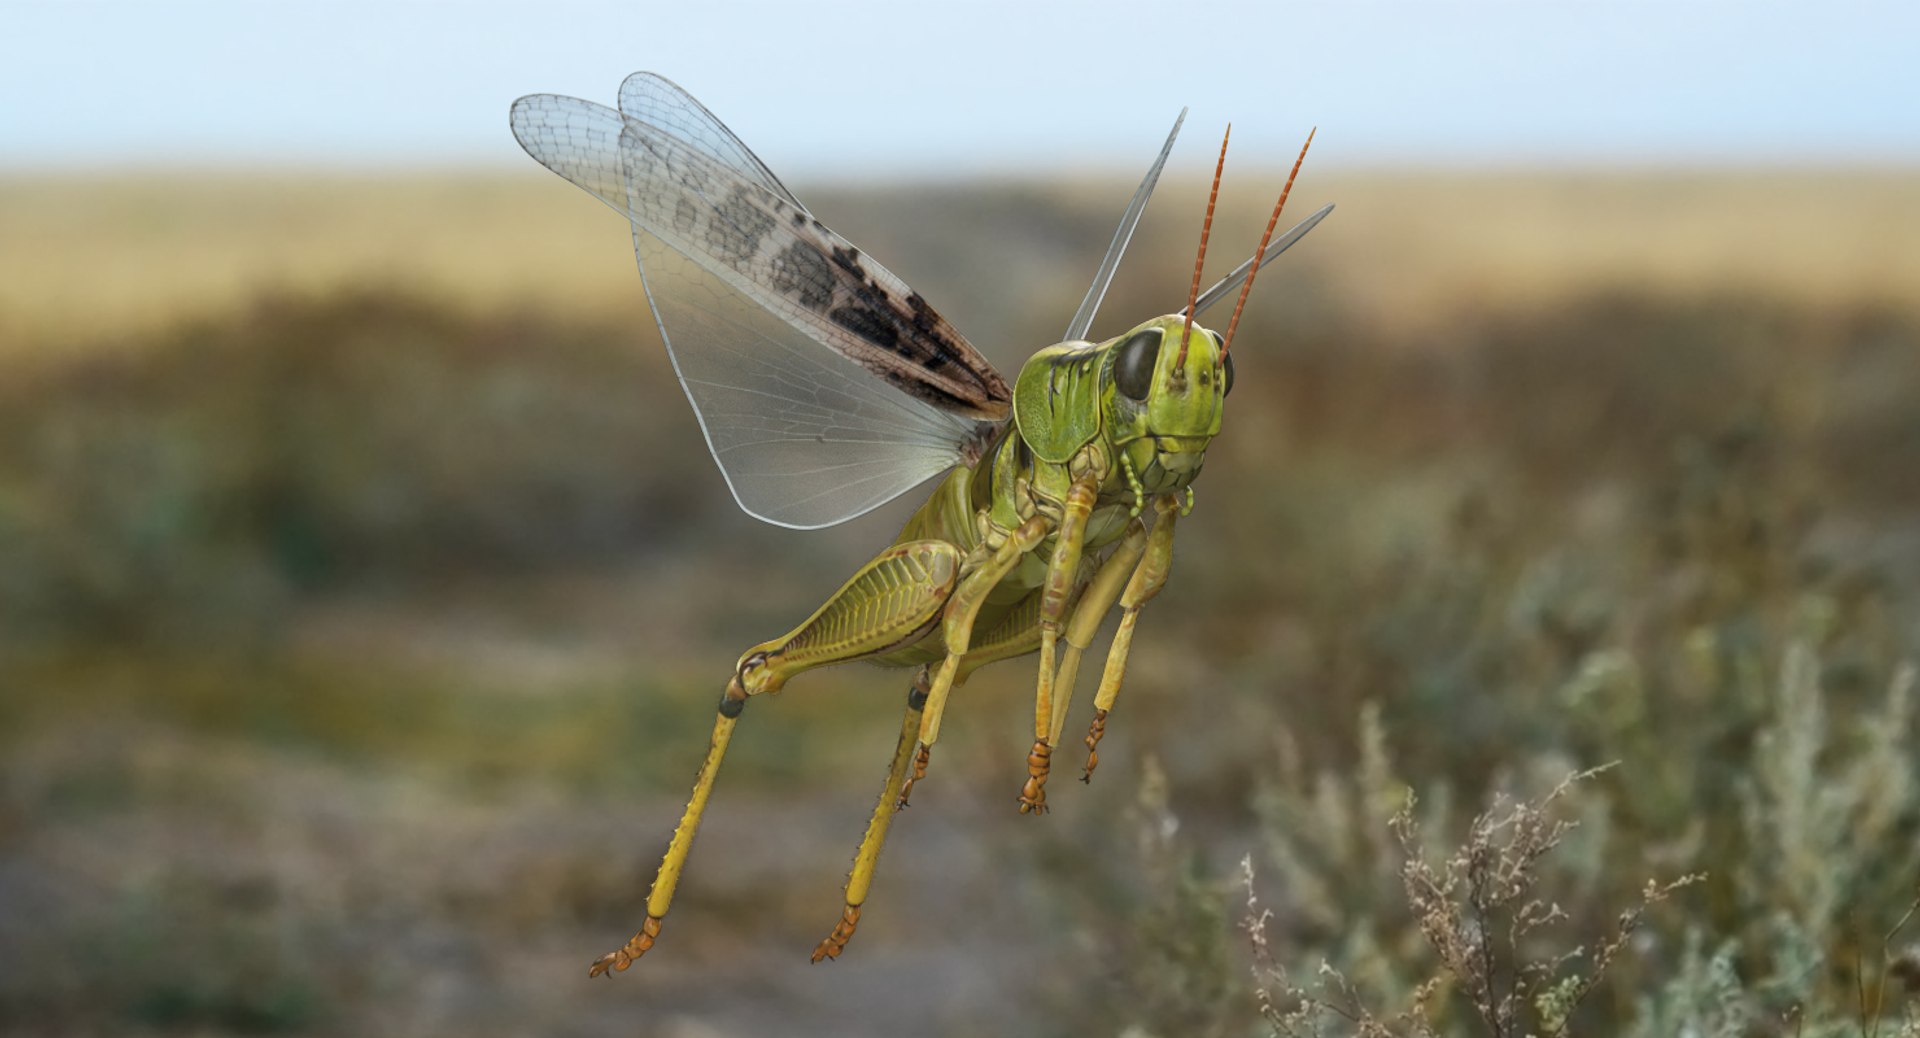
{"points": [[1033, 543], [1069, 420], [826, 386]]}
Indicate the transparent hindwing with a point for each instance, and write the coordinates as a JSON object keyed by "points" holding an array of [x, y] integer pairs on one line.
{"points": [[824, 385]]}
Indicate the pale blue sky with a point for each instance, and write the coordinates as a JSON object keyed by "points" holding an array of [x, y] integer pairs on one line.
{"points": [[826, 88]]}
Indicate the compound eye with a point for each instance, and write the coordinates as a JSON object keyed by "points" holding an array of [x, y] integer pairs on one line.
{"points": [[1228, 361], [1133, 368]]}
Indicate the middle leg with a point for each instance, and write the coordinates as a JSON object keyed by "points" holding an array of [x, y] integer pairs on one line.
{"points": [[1148, 578], [1089, 612], [957, 630]]}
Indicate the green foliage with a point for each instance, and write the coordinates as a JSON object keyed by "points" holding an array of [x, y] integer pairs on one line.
{"points": [[1182, 979], [213, 477], [1711, 594], [177, 953], [1809, 861]]}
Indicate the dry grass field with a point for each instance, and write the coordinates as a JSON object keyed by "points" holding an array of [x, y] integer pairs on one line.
{"points": [[365, 588], [117, 256]]}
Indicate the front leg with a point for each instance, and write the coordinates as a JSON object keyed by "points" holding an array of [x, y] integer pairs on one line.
{"points": [[1147, 580], [1062, 572]]}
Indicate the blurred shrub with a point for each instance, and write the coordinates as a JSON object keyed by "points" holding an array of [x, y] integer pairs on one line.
{"points": [[1724, 629], [1676, 535], [216, 472], [182, 954], [225, 468]]}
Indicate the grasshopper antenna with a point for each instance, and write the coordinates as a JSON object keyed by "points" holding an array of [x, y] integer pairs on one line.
{"points": [[1281, 244], [1261, 252], [1206, 226]]}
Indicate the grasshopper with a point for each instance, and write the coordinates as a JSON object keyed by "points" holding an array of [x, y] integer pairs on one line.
{"points": [[826, 387]]}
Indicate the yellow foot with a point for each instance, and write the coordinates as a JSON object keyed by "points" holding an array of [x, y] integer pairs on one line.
{"points": [[635, 947], [836, 941], [1033, 796], [1094, 731], [920, 760]]}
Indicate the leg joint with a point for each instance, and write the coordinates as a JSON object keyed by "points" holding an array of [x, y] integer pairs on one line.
{"points": [[733, 700]]}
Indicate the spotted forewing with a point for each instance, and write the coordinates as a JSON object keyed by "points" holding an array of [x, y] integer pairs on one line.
{"points": [[824, 386], [741, 226]]}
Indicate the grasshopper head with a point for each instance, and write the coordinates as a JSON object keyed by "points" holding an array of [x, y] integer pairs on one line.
{"points": [[1170, 376], [1166, 402], [1156, 393]]}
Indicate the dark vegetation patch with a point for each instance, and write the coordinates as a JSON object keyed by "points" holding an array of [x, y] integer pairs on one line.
{"points": [[403, 549]]}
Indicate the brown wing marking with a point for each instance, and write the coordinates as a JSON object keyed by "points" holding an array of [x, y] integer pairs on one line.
{"points": [[821, 280]]}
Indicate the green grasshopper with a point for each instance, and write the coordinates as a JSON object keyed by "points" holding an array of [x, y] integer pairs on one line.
{"points": [[826, 387]]}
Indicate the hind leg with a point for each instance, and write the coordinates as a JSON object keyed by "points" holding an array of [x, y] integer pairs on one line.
{"points": [[860, 880], [891, 600], [1016, 635]]}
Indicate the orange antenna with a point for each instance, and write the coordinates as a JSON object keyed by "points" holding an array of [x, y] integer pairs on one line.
{"points": [[1261, 253], [1206, 226]]}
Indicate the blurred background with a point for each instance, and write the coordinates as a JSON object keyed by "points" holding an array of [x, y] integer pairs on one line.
{"points": [[365, 585]]}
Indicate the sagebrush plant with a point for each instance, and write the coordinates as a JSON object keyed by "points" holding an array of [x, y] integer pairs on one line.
{"points": [[1486, 925], [1730, 635], [1545, 919]]}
